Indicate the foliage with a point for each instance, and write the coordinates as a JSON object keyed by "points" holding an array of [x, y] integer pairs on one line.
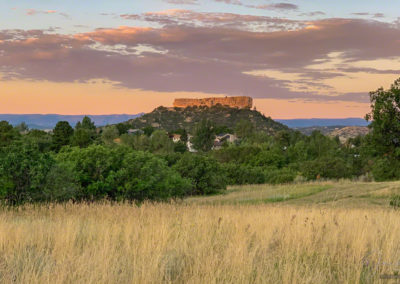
{"points": [[326, 167], [110, 133], [7, 133], [206, 174], [160, 142], [122, 128], [244, 129], [385, 119], [243, 174], [386, 168], [121, 173], [203, 136], [23, 172], [277, 176], [62, 135], [225, 119]]}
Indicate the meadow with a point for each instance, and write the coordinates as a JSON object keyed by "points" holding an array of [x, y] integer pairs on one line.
{"points": [[322, 232]]}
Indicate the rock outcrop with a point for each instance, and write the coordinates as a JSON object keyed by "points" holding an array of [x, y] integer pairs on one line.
{"points": [[233, 102]]}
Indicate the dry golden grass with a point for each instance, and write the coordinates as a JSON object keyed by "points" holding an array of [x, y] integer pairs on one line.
{"points": [[194, 243]]}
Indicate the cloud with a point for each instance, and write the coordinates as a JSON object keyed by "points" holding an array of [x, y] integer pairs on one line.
{"points": [[33, 12], [274, 6], [277, 6], [182, 2], [313, 14], [374, 15], [228, 20], [299, 64]]}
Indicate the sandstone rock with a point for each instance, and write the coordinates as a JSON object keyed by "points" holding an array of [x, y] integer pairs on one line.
{"points": [[233, 102]]}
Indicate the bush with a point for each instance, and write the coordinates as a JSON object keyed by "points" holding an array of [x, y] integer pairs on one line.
{"points": [[326, 167], [277, 176], [385, 169], [243, 174], [23, 172], [121, 173], [205, 173]]}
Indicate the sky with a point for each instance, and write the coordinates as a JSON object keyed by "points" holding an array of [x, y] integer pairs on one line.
{"points": [[297, 59]]}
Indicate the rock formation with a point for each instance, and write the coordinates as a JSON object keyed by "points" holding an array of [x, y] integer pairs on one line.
{"points": [[233, 102]]}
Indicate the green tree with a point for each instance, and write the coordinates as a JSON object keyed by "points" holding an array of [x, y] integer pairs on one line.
{"points": [[203, 136], [206, 174], [385, 120], [160, 143], [110, 133], [122, 128], [23, 172], [62, 135], [180, 147], [86, 124], [244, 129], [122, 173], [148, 130], [7, 133], [41, 138], [82, 137]]}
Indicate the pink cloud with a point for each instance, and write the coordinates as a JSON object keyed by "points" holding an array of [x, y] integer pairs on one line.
{"points": [[199, 58]]}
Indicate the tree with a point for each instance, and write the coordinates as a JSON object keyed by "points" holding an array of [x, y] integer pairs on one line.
{"points": [[148, 130], [160, 143], [85, 133], [385, 120], [41, 138], [122, 128], [183, 133], [86, 124], [7, 133], [22, 127], [110, 133], [244, 129], [180, 147], [206, 174], [62, 135], [203, 138], [121, 173], [82, 138], [23, 172]]}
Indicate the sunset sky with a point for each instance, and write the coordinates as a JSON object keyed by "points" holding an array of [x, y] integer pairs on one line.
{"points": [[297, 59]]}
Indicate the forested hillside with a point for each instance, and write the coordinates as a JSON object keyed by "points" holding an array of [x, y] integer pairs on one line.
{"points": [[171, 119]]}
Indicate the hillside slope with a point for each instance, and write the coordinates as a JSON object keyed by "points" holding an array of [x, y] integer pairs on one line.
{"points": [[171, 119]]}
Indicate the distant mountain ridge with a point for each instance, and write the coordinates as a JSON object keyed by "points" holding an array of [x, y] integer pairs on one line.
{"points": [[48, 121], [328, 122]]}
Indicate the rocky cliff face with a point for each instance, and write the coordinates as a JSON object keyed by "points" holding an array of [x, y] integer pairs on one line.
{"points": [[233, 102]]}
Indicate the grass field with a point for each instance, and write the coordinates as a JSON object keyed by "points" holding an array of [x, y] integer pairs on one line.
{"points": [[306, 233]]}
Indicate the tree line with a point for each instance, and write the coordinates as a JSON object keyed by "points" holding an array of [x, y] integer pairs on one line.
{"points": [[87, 163]]}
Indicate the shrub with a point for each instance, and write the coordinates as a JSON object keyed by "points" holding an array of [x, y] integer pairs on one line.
{"points": [[121, 173], [243, 174], [326, 167], [205, 173], [385, 169], [277, 176], [23, 172]]}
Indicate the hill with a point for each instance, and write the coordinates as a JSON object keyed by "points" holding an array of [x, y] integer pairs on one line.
{"points": [[349, 132], [171, 119], [344, 132], [48, 121], [323, 122]]}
